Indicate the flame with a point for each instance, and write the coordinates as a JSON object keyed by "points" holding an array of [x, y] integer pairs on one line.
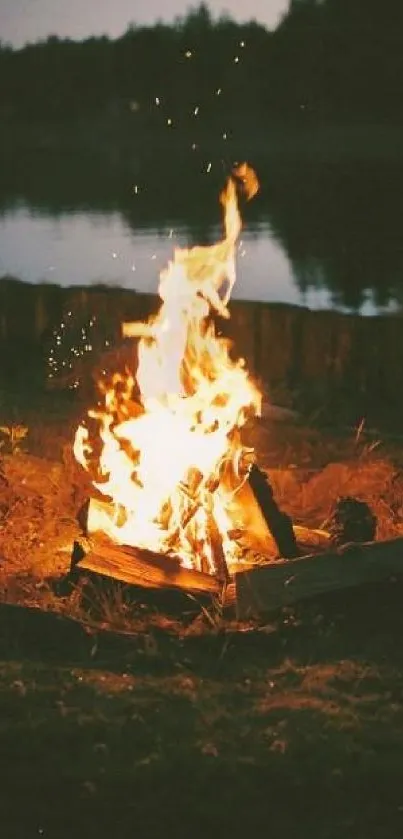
{"points": [[170, 455]]}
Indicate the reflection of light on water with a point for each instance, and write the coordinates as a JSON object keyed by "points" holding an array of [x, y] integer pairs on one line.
{"points": [[321, 298], [88, 247]]}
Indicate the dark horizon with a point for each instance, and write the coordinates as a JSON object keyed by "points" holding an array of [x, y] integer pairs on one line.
{"points": [[327, 60]]}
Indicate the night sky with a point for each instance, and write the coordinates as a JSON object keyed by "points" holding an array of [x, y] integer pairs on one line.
{"points": [[30, 20]]}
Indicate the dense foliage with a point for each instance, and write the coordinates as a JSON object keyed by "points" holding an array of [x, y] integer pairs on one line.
{"points": [[327, 59]]}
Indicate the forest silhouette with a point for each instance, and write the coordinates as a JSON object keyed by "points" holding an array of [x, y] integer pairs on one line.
{"points": [[327, 59], [315, 104]]}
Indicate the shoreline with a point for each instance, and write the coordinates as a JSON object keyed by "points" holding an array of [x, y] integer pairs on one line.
{"points": [[343, 366]]}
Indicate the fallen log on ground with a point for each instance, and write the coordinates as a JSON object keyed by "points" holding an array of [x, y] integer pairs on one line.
{"points": [[139, 567], [267, 587]]}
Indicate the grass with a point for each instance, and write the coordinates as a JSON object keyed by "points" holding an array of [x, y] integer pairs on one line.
{"points": [[296, 729], [126, 714]]}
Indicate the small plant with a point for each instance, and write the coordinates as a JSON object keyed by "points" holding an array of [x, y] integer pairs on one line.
{"points": [[12, 437], [213, 614]]}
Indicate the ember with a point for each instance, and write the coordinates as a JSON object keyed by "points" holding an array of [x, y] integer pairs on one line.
{"points": [[169, 456]]}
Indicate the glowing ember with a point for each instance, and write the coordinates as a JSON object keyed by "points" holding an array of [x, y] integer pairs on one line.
{"points": [[168, 454]]}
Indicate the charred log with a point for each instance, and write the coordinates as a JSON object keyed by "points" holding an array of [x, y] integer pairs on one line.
{"points": [[279, 523]]}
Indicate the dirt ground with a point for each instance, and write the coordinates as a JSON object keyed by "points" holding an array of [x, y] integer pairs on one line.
{"points": [[128, 716]]}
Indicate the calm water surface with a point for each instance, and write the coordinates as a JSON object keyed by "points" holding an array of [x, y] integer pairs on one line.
{"points": [[322, 238], [102, 247]]}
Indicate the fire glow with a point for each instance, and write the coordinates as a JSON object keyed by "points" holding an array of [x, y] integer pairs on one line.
{"points": [[169, 456]]}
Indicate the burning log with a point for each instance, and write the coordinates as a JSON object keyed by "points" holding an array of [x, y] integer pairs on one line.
{"points": [[267, 587], [139, 567], [217, 551], [95, 515]]}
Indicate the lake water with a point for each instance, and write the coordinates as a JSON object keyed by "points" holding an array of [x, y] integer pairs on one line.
{"points": [[327, 237]]}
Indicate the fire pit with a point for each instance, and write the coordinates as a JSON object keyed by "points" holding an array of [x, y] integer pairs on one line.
{"points": [[179, 500], [165, 445]]}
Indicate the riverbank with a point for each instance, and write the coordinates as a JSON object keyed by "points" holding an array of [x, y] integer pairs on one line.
{"points": [[341, 368]]}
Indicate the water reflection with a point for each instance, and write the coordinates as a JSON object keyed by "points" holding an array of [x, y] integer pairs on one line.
{"points": [[106, 248], [321, 235], [342, 229]]}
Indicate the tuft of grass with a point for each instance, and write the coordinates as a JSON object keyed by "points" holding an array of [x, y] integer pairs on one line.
{"points": [[12, 435]]}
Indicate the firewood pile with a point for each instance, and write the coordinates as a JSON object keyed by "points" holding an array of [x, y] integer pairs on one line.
{"points": [[281, 563]]}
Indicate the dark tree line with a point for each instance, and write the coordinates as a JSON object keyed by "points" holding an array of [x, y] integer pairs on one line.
{"points": [[339, 59]]}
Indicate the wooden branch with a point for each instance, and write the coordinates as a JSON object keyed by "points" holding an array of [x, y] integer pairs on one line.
{"points": [[217, 550], [140, 567], [248, 518], [279, 523], [96, 514], [277, 584]]}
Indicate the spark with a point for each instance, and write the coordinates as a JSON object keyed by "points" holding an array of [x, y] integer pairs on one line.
{"points": [[242, 43], [194, 146], [236, 59], [208, 167], [169, 121], [114, 255], [157, 100], [154, 256], [196, 110], [218, 91], [136, 189], [224, 136], [188, 54], [171, 232], [133, 267]]}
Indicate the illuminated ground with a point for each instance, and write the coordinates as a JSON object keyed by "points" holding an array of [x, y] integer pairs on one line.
{"points": [[162, 722], [299, 727]]}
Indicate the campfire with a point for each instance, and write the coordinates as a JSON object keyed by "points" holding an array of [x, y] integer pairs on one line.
{"points": [[170, 458], [179, 500]]}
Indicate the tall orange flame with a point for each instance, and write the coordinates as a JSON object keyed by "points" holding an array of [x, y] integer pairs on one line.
{"points": [[171, 459]]}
